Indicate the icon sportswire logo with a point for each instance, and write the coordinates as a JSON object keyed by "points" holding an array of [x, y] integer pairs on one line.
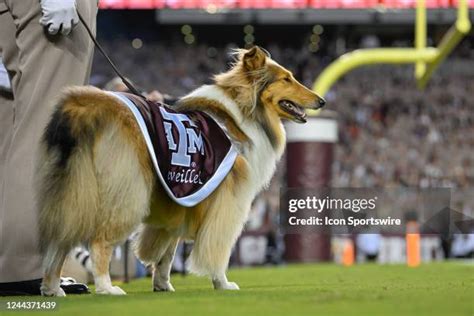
{"points": [[189, 142]]}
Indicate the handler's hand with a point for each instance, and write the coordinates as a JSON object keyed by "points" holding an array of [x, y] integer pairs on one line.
{"points": [[59, 14]]}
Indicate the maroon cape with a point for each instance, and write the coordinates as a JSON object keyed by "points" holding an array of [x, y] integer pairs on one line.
{"points": [[190, 151]]}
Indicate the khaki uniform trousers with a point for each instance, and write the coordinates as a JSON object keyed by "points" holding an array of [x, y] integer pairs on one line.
{"points": [[39, 66]]}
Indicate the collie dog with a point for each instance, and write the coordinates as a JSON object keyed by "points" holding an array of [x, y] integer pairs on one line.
{"points": [[96, 183]]}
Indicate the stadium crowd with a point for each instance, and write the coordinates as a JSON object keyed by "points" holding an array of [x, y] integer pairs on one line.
{"points": [[390, 132]]}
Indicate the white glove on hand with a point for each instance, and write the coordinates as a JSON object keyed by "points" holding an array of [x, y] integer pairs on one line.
{"points": [[59, 14]]}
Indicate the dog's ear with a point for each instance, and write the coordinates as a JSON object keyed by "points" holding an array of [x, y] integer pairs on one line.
{"points": [[254, 59]]}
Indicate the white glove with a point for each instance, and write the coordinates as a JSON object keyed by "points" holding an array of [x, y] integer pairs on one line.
{"points": [[59, 14], [4, 80]]}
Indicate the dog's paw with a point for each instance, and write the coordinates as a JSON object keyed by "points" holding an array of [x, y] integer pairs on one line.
{"points": [[163, 287], [113, 290], [226, 286], [59, 292]]}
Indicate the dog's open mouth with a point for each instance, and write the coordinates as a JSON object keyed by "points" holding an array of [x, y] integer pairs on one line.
{"points": [[295, 110]]}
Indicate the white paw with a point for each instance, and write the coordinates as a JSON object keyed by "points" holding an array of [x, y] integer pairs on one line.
{"points": [[163, 287], [226, 286], [46, 291], [113, 290]]}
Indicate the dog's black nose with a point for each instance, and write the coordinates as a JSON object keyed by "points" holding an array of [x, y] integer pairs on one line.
{"points": [[322, 102]]}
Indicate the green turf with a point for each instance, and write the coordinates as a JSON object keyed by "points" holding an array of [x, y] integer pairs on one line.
{"points": [[434, 289]]}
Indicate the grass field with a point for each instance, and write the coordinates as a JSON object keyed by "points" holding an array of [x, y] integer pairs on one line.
{"points": [[324, 289]]}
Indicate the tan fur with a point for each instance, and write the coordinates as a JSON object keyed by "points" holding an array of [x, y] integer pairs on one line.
{"points": [[96, 183], [215, 108]]}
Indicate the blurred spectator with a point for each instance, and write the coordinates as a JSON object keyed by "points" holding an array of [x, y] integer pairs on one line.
{"points": [[369, 245], [116, 84], [463, 246]]}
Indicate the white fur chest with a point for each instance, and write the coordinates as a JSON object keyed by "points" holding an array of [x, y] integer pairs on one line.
{"points": [[260, 155]]}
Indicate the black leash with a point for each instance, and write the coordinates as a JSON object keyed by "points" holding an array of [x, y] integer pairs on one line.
{"points": [[129, 85]]}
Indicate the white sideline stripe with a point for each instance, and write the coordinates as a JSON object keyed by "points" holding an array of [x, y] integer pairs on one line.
{"points": [[206, 189], [316, 129]]}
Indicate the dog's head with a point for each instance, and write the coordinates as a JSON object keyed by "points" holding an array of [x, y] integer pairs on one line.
{"points": [[270, 86]]}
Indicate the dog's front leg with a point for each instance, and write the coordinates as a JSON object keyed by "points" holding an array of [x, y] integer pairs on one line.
{"points": [[162, 269]]}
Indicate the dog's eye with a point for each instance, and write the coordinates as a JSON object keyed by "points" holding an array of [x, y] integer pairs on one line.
{"points": [[287, 79]]}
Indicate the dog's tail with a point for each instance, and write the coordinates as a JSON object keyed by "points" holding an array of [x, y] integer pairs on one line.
{"points": [[66, 184], [94, 175]]}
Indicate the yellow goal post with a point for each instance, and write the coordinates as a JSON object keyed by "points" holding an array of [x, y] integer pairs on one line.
{"points": [[425, 59]]}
